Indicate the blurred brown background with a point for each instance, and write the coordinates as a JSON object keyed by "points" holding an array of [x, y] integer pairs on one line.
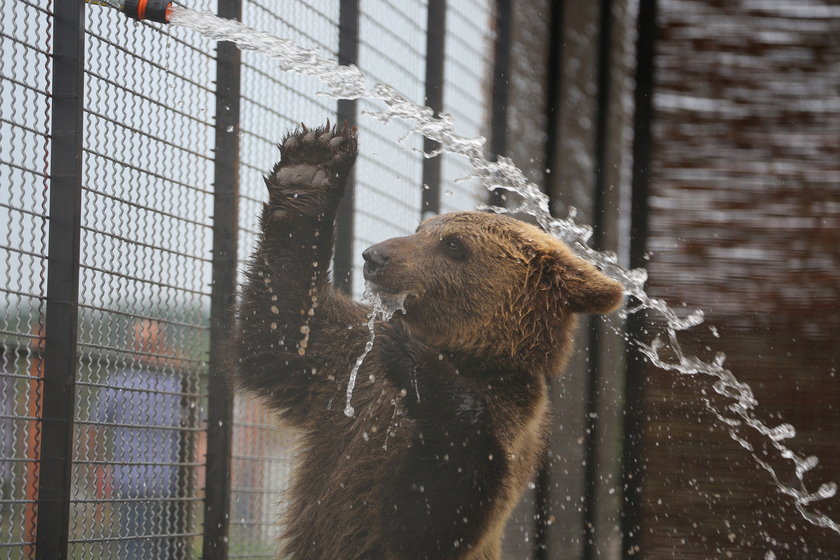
{"points": [[745, 225]]}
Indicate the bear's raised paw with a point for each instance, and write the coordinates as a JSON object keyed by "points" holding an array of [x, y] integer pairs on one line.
{"points": [[327, 147], [312, 162]]}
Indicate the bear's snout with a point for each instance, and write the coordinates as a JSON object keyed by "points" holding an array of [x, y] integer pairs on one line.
{"points": [[376, 257]]}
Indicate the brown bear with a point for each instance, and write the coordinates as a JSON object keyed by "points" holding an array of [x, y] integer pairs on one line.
{"points": [[451, 405]]}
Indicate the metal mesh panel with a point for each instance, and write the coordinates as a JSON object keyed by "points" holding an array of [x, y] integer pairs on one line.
{"points": [[466, 95], [392, 48], [144, 291], [272, 103], [25, 76]]}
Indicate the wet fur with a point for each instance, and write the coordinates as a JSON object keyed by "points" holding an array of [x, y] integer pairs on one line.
{"points": [[451, 403]]}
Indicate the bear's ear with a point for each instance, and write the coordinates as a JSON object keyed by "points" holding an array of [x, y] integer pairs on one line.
{"points": [[578, 285]]}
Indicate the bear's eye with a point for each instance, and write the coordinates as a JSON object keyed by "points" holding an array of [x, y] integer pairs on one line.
{"points": [[454, 247]]}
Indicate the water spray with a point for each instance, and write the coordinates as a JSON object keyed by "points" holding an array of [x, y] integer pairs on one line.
{"points": [[149, 10], [348, 82]]}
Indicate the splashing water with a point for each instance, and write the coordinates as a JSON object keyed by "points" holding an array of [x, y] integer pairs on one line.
{"points": [[384, 307], [348, 82]]}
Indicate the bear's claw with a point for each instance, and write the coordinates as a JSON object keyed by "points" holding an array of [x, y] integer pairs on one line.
{"points": [[333, 147], [312, 161]]}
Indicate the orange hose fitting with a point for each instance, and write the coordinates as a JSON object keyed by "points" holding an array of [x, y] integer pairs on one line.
{"points": [[150, 10]]}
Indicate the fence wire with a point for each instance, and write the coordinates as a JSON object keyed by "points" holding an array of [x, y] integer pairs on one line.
{"points": [[146, 263], [392, 50], [25, 83], [467, 72], [144, 291], [272, 103]]}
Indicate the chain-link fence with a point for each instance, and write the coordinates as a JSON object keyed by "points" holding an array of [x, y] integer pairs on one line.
{"points": [[131, 164], [139, 380], [25, 82]]}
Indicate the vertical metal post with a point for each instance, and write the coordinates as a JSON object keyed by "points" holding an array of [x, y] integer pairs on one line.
{"points": [[542, 543], [633, 394], [223, 293], [435, 51], [348, 53], [593, 382], [62, 281], [501, 72]]}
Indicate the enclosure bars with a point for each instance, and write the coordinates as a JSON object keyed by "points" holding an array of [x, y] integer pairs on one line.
{"points": [[62, 282], [595, 349], [542, 515], [632, 468], [348, 53], [223, 293], [499, 92], [435, 52]]}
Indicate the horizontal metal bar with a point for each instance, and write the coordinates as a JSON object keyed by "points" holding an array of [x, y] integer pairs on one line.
{"points": [[24, 85], [43, 134], [15, 544], [282, 84], [137, 500], [145, 354], [146, 100], [153, 64], [137, 390], [35, 7], [16, 417], [138, 427], [23, 252], [274, 15], [377, 23], [25, 169], [133, 463], [291, 122], [133, 538], [21, 294], [22, 210], [142, 171], [134, 315], [20, 459], [146, 245], [23, 43], [21, 376], [143, 280], [163, 141]]}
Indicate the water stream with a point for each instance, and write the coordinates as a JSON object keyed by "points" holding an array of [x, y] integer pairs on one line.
{"points": [[738, 415], [383, 307]]}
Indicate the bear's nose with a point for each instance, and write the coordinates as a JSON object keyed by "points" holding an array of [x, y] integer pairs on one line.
{"points": [[375, 259]]}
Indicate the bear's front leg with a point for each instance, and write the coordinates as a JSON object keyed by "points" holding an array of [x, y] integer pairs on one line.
{"points": [[442, 499], [287, 293]]}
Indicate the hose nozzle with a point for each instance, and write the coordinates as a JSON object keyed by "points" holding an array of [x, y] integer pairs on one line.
{"points": [[150, 10]]}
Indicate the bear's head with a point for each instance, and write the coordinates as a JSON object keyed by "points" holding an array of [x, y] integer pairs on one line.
{"points": [[488, 285]]}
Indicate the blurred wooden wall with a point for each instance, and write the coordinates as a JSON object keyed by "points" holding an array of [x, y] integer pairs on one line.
{"points": [[744, 217]]}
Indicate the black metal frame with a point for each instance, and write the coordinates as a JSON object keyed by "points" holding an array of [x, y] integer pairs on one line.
{"points": [[499, 92], [348, 53], [634, 377], [60, 358], [435, 61], [223, 294], [595, 347]]}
